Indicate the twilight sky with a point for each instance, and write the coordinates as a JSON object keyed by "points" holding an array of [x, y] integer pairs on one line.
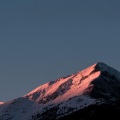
{"points": [[42, 40]]}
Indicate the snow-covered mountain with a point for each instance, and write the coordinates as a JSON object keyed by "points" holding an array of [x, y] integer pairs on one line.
{"points": [[96, 85], [1, 103]]}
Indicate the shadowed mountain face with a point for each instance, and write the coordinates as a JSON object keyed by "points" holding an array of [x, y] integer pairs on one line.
{"points": [[91, 93], [96, 112]]}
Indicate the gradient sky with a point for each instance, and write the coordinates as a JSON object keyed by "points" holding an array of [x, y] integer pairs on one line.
{"points": [[42, 40]]}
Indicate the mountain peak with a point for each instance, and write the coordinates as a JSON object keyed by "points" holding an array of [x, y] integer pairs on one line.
{"points": [[66, 86], [106, 68], [101, 65]]}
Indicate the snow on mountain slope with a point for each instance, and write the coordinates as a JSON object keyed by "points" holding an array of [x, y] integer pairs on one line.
{"points": [[65, 94], [1, 103], [63, 88]]}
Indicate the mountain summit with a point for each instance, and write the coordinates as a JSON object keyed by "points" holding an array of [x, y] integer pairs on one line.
{"points": [[96, 86]]}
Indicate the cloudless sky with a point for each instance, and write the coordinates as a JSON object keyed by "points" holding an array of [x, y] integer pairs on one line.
{"points": [[42, 40]]}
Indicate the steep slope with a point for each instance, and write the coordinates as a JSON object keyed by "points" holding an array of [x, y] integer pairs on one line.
{"points": [[97, 84]]}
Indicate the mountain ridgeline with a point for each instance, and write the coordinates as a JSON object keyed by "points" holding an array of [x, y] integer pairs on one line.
{"points": [[91, 94]]}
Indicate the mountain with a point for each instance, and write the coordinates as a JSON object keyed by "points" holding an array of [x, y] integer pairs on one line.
{"points": [[1, 103], [89, 94]]}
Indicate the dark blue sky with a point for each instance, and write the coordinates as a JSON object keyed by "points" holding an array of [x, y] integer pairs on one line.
{"points": [[42, 40]]}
